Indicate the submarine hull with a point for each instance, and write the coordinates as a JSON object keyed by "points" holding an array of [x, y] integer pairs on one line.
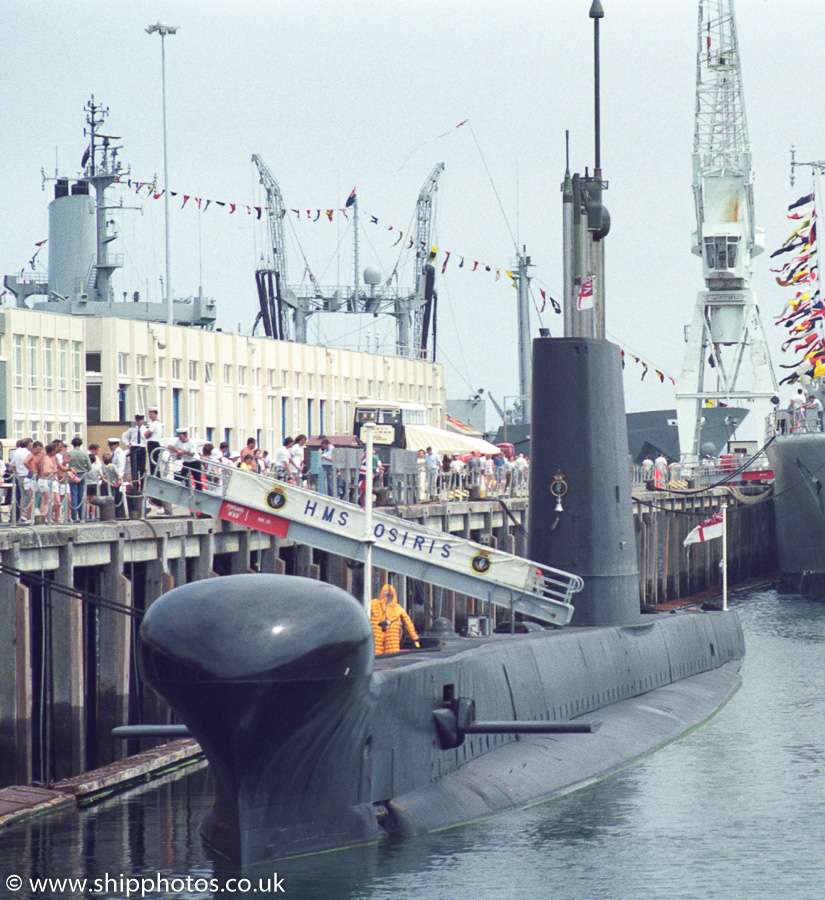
{"points": [[312, 746]]}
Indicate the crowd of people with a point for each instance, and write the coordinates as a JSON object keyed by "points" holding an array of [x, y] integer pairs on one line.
{"points": [[457, 473], [57, 482]]}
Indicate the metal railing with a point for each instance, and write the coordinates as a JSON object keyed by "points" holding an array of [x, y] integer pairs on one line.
{"points": [[51, 500], [797, 421]]}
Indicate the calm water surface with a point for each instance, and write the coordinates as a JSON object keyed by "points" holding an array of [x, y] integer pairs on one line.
{"points": [[734, 810]]}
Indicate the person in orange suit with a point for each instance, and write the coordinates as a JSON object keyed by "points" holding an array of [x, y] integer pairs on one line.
{"points": [[387, 620]]}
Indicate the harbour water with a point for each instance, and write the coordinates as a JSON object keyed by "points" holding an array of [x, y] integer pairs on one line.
{"points": [[736, 809]]}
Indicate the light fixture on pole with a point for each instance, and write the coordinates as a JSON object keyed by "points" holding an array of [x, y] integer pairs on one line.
{"points": [[162, 28]]}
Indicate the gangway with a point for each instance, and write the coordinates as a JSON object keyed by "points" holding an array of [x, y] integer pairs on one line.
{"points": [[339, 527]]}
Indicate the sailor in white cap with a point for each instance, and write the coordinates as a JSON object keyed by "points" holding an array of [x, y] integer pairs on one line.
{"points": [[118, 456], [135, 440], [153, 430], [185, 448]]}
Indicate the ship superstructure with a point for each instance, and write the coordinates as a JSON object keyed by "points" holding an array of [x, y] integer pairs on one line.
{"points": [[81, 234]]}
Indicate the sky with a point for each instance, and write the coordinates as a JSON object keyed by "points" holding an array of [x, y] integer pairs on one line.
{"points": [[336, 95]]}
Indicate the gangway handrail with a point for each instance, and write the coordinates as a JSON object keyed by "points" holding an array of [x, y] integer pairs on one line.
{"points": [[338, 526]]}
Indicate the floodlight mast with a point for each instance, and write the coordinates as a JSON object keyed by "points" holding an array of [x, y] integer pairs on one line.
{"points": [[163, 28]]}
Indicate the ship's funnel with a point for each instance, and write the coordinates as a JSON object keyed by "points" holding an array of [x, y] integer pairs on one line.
{"points": [[72, 241], [581, 516]]}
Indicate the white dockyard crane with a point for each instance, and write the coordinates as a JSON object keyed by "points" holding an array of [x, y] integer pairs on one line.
{"points": [[726, 319], [273, 292], [285, 311]]}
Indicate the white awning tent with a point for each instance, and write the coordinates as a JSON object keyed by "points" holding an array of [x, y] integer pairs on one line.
{"points": [[419, 437]]}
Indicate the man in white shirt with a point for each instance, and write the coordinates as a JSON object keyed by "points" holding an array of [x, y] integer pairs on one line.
{"points": [[432, 466], [296, 462], [153, 432], [185, 448], [283, 455], [814, 421], [23, 483], [660, 467], [135, 440], [119, 465], [118, 456]]}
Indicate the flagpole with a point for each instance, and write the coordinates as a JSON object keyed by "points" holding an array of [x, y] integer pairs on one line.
{"points": [[369, 539], [724, 554]]}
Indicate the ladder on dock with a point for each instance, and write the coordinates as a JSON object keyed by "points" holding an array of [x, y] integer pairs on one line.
{"points": [[336, 526]]}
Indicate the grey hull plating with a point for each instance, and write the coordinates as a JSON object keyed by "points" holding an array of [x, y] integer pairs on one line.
{"points": [[798, 463], [313, 746]]}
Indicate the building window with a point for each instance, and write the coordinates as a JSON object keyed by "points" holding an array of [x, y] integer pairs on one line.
{"points": [[241, 375], [176, 410], [140, 366], [176, 369], [93, 362], [93, 404], [62, 365], [17, 370], [209, 372], [193, 370], [77, 357], [227, 373], [33, 363], [273, 378], [48, 363], [122, 414], [142, 398], [123, 364], [161, 367], [193, 407]]}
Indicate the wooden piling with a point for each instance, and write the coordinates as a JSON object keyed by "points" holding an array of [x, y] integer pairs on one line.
{"points": [[114, 653], [68, 673]]}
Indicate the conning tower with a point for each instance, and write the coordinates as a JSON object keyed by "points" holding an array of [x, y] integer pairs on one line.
{"points": [[581, 516]]}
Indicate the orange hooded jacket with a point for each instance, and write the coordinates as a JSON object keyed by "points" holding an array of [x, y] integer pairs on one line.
{"points": [[387, 620]]}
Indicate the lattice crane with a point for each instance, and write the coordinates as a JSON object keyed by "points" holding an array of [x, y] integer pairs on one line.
{"points": [[285, 311], [284, 314], [726, 319]]}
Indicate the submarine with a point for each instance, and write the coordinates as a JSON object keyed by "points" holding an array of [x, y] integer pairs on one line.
{"points": [[316, 743]]}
